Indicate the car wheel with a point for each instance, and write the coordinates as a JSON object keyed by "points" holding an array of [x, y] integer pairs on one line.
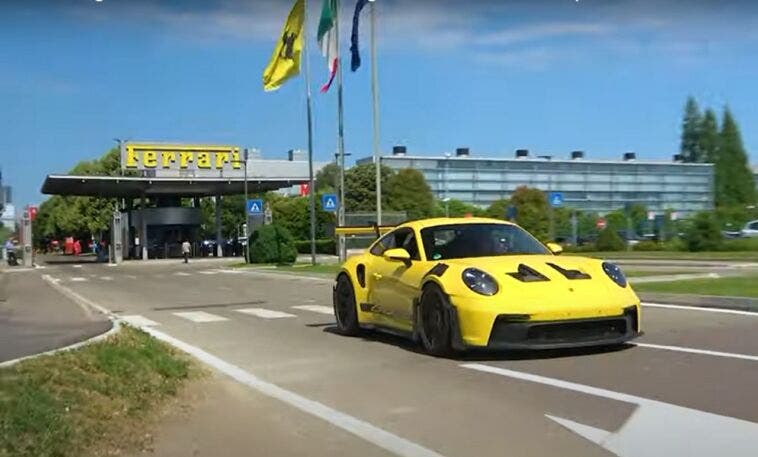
{"points": [[344, 307], [434, 322]]}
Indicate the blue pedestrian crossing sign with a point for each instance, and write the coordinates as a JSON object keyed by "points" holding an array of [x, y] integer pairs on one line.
{"points": [[555, 199], [329, 202], [254, 207]]}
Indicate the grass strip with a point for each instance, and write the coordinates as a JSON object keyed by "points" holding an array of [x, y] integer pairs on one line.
{"points": [[734, 286], [95, 400]]}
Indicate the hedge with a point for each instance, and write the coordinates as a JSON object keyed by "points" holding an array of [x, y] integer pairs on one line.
{"points": [[322, 246]]}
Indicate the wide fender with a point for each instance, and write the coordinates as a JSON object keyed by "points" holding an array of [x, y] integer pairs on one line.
{"points": [[435, 280]]}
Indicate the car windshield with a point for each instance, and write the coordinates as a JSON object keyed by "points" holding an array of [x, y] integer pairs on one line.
{"points": [[460, 241]]}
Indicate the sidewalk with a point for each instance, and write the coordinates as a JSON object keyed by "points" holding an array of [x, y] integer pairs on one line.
{"points": [[35, 318]]}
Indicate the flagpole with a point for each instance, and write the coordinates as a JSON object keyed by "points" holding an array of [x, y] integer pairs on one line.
{"points": [[375, 110], [340, 133], [311, 187]]}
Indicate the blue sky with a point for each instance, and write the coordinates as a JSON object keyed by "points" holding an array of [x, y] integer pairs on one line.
{"points": [[604, 76]]}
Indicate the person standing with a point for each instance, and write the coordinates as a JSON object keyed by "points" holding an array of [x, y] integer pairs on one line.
{"points": [[186, 250]]}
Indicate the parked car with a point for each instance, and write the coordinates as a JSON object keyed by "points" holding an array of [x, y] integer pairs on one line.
{"points": [[750, 229]]}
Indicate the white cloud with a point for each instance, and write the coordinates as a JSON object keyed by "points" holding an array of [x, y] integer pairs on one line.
{"points": [[541, 31]]}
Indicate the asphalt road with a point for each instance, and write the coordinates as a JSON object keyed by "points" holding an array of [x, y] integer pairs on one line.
{"points": [[687, 388], [35, 318]]}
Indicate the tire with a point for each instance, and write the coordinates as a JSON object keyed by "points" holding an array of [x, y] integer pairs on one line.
{"points": [[345, 309], [434, 322]]}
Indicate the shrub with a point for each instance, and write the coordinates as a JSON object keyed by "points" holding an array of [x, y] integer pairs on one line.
{"points": [[322, 246], [609, 240], [739, 244], [704, 234], [272, 244], [648, 246]]}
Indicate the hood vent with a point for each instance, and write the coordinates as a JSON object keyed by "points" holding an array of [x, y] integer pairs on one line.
{"points": [[528, 274], [570, 274]]}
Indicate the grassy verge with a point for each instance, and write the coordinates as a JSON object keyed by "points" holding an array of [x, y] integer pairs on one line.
{"points": [[671, 255], [742, 286], [303, 268], [643, 273], [97, 400]]}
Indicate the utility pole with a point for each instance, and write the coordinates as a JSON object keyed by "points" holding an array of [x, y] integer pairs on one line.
{"points": [[375, 112], [340, 135], [311, 187]]}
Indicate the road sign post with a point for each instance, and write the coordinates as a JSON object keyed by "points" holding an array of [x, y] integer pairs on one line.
{"points": [[555, 199], [330, 202]]}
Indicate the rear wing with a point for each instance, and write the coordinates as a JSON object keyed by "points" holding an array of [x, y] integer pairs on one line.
{"points": [[353, 230]]}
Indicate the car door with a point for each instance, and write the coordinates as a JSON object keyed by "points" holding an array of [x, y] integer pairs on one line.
{"points": [[398, 282]]}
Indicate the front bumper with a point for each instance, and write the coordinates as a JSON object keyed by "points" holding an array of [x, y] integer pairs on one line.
{"points": [[510, 333]]}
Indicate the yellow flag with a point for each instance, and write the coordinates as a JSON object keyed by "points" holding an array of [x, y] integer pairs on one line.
{"points": [[285, 62]]}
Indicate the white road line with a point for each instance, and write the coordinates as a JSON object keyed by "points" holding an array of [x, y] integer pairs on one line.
{"points": [[655, 428], [731, 355], [106, 278], [264, 313], [701, 308], [181, 273], [77, 266], [200, 317], [131, 276], [375, 435], [208, 272], [316, 309], [138, 320], [78, 279]]}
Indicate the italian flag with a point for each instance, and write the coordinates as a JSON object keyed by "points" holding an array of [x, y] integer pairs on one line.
{"points": [[327, 39]]}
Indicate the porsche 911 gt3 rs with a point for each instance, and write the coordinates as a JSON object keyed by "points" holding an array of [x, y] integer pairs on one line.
{"points": [[454, 284]]}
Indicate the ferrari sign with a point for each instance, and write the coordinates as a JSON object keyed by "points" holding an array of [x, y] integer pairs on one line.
{"points": [[149, 156]]}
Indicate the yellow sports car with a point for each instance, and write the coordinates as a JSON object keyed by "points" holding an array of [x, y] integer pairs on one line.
{"points": [[454, 284]]}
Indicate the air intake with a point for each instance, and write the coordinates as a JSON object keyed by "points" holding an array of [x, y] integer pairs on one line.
{"points": [[629, 156], [399, 150], [462, 152], [575, 155], [522, 153]]}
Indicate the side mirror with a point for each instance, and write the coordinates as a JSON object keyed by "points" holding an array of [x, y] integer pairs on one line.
{"points": [[555, 248], [397, 254]]}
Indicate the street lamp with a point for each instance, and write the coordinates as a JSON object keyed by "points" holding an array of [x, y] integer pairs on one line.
{"points": [[446, 200]]}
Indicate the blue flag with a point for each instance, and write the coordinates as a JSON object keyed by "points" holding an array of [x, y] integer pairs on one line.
{"points": [[355, 57]]}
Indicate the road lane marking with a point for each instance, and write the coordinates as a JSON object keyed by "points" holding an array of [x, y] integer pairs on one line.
{"points": [[86, 305], [78, 279], [655, 428], [371, 433], [732, 355], [200, 317], [208, 272], [131, 276], [106, 278], [316, 309], [77, 266], [668, 278], [181, 273], [701, 308], [264, 313], [138, 321]]}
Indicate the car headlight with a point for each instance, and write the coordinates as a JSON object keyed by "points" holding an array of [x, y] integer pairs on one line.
{"points": [[615, 273], [479, 281]]}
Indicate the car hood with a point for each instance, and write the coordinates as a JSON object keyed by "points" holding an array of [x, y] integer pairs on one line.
{"points": [[549, 280]]}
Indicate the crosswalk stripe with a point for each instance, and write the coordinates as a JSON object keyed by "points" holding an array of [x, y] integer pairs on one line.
{"points": [[78, 279], [264, 313], [200, 316], [138, 321], [181, 273], [106, 278], [316, 309], [208, 272]]}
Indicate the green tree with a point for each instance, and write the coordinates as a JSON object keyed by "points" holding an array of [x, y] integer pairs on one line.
{"points": [[609, 240], [498, 209], [360, 187], [327, 178], [272, 244], [691, 123], [456, 208], [616, 220], [703, 233], [408, 191], [734, 180], [293, 213], [532, 211], [232, 216], [709, 137]]}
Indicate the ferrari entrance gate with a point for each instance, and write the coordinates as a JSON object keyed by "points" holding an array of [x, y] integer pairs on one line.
{"points": [[117, 243]]}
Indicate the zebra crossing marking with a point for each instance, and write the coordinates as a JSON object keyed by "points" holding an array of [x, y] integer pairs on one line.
{"points": [[200, 317]]}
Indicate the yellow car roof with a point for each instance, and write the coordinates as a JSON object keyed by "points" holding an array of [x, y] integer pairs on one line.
{"points": [[424, 223]]}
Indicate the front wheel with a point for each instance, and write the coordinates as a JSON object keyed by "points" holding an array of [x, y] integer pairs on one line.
{"points": [[434, 322], [345, 310]]}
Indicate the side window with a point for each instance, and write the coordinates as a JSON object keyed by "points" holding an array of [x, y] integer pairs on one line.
{"points": [[384, 243], [411, 245], [753, 226]]}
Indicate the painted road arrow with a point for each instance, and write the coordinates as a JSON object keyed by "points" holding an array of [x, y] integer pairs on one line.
{"points": [[655, 428]]}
